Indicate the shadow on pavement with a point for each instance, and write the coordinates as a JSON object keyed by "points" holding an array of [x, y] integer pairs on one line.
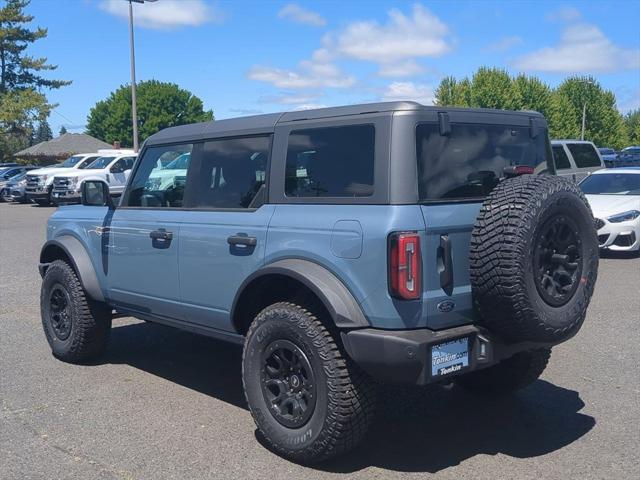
{"points": [[417, 429]]}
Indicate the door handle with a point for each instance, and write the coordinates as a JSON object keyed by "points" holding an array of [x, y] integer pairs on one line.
{"points": [[242, 239], [161, 238], [445, 264]]}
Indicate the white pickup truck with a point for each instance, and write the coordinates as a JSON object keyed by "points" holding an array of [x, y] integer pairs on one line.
{"points": [[39, 182], [112, 168]]}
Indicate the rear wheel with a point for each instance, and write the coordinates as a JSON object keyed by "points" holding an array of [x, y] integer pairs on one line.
{"points": [[307, 399], [77, 328], [507, 376]]}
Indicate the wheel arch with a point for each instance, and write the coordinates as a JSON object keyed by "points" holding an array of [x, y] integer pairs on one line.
{"points": [[288, 278], [71, 250]]}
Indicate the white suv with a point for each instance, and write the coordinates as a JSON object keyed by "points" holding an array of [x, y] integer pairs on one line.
{"points": [[113, 169], [576, 159], [39, 182]]}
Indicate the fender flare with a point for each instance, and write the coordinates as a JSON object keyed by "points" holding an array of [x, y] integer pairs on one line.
{"points": [[337, 299], [80, 261]]}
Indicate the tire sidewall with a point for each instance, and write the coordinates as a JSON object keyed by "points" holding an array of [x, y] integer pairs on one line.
{"points": [[278, 324], [563, 203]]}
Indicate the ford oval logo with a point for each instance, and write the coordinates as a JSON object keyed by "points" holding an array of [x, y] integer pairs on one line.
{"points": [[446, 306]]}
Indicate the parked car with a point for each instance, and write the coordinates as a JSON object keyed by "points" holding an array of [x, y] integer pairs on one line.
{"points": [[8, 164], [40, 182], [614, 196], [112, 169], [609, 156], [391, 242], [14, 190], [576, 159], [629, 156], [9, 173]]}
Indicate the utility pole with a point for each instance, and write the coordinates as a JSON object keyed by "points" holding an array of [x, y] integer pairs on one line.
{"points": [[134, 103]]}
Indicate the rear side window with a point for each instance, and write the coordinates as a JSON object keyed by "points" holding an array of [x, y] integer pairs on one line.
{"points": [[584, 155], [330, 162], [470, 161], [560, 157], [232, 173]]}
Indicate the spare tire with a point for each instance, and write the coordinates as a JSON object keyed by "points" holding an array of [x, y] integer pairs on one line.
{"points": [[534, 259]]}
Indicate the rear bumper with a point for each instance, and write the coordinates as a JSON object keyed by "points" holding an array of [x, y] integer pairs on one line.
{"points": [[405, 356]]}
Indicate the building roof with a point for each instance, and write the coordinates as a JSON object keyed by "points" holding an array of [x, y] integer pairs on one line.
{"points": [[66, 144], [257, 124]]}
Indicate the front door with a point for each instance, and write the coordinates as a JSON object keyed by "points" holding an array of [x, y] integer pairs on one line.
{"points": [[224, 231], [144, 232]]}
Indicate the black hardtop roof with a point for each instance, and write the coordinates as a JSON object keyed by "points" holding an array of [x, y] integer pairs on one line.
{"points": [[267, 122]]}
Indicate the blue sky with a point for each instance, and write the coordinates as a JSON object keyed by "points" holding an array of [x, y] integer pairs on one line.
{"points": [[248, 57]]}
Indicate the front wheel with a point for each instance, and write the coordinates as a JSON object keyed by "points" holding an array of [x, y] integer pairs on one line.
{"points": [[307, 399], [77, 328], [507, 376]]}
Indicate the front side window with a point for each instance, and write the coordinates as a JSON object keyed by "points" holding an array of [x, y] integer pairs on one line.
{"points": [[584, 155], [471, 159], [560, 157], [153, 185], [331, 162], [232, 173]]}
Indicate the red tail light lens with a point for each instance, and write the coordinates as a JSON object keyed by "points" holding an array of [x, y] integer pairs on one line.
{"points": [[405, 265]]}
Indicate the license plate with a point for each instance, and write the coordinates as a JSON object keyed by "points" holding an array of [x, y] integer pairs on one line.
{"points": [[449, 357]]}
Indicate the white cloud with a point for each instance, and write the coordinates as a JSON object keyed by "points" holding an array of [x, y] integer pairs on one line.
{"points": [[409, 91], [165, 14], [565, 14], [310, 74], [421, 34], [298, 14], [401, 69], [310, 106], [583, 48], [504, 44], [290, 98]]}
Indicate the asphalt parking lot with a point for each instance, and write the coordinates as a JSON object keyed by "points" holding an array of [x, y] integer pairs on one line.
{"points": [[165, 404]]}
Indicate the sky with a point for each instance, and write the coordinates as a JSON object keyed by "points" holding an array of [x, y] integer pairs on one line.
{"points": [[250, 57]]}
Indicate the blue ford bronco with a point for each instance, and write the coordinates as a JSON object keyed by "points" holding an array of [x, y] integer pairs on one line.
{"points": [[342, 247]]}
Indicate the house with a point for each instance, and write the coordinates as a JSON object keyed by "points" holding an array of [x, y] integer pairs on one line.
{"points": [[59, 148]]}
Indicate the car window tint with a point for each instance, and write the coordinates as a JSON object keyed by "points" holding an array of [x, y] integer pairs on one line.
{"points": [[232, 172], [331, 162], [471, 159], [584, 155], [560, 157], [152, 185]]}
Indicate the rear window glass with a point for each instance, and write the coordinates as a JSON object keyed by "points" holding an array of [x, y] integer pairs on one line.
{"points": [[584, 155], [331, 162], [560, 157], [471, 160]]}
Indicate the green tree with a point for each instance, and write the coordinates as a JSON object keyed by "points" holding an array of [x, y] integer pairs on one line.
{"points": [[43, 132], [22, 103], [632, 122], [160, 105], [531, 93], [62, 131], [493, 88], [604, 124]]}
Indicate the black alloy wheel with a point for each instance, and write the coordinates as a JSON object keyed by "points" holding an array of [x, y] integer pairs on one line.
{"points": [[288, 383], [60, 312], [558, 260]]}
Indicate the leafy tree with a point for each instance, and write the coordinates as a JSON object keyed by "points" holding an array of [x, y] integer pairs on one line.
{"points": [[62, 131], [160, 105], [22, 103], [493, 88], [632, 122], [43, 132]]}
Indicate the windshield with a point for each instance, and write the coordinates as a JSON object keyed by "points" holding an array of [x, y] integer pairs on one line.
{"points": [[471, 159], [99, 163], [180, 163], [20, 176], [611, 184], [71, 161]]}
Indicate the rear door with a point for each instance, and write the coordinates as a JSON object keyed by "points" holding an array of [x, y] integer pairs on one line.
{"points": [[224, 230], [456, 171]]}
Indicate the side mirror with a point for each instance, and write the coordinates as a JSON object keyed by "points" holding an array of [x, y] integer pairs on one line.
{"points": [[95, 193]]}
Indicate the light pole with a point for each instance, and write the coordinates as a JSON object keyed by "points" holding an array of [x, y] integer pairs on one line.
{"points": [[134, 103], [584, 109]]}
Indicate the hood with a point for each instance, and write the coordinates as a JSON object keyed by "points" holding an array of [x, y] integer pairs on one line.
{"points": [[48, 171], [606, 205]]}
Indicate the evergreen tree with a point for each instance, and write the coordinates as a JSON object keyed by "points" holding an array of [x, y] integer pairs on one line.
{"points": [[43, 132], [62, 131]]}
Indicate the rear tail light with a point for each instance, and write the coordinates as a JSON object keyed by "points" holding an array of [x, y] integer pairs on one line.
{"points": [[405, 265]]}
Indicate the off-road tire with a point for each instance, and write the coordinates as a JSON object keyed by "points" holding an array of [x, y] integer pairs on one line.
{"points": [[510, 375], [345, 395], [90, 320], [506, 236]]}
